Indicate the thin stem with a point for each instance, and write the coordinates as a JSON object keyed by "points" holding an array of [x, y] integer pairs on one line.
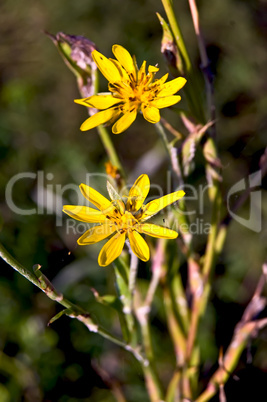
{"points": [[158, 261], [153, 384], [72, 310], [175, 166], [244, 330], [171, 151], [176, 332], [110, 149], [210, 253], [201, 46], [205, 64], [191, 88], [167, 4]]}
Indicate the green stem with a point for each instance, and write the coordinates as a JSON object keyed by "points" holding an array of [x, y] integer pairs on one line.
{"points": [[200, 300], [110, 149], [153, 384], [168, 7], [178, 337], [175, 166], [210, 253], [72, 310], [191, 89], [171, 151]]}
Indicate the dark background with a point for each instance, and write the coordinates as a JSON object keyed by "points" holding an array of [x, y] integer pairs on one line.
{"points": [[39, 131]]}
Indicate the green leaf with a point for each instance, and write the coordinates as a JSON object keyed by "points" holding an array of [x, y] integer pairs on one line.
{"points": [[66, 311]]}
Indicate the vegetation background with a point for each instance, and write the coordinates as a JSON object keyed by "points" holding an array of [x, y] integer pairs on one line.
{"points": [[39, 131]]}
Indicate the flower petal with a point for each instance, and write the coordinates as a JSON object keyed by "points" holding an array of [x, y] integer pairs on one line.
{"points": [[124, 122], [151, 114], [166, 101], [157, 231], [99, 101], [171, 87], [84, 214], [142, 72], [153, 69], [100, 118], [153, 207], [95, 197], [123, 73], [107, 68], [125, 59], [111, 250], [161, 80], [138, 193], [96, 234], [139, 245]]}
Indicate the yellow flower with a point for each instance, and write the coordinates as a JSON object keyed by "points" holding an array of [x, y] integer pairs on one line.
{"points": [[122, 217], [131, 90]]}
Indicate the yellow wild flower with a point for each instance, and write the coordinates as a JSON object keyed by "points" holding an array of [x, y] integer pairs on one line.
{"points": [[122, 217], [131, 90]]}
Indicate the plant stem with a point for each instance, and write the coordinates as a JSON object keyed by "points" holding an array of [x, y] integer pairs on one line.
{"points": [[72, 310], [153, 384], [110, 149], [205, 64], [191, 89]]}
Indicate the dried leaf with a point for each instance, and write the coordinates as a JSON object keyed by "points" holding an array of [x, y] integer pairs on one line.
{"points": [[214, 162], [190, 144]]}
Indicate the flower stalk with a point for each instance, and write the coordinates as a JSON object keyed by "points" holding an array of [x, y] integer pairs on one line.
{"points": [[192, 89]]}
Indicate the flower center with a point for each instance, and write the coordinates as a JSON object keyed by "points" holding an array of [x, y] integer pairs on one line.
{"points": [[127, 221], [133, 92], [122, 218]]}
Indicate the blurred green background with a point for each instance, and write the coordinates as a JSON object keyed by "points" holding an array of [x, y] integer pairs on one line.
{"points": [[39, 131]]}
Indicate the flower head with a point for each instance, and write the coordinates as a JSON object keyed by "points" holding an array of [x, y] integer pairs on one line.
{"points": [[122, 217], [131, 90]]}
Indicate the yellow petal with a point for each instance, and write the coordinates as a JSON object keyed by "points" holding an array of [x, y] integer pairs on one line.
{"points": [[165, 102], [153, 207], [139, 245], [107, 68], [83, 101], [100, 118], [161, 80], [157, 231], [124, 122], [151, 114], [100, 101], [171, 87], [142, 71], [111, 250], [138, 193], [123, 73], [96, 234], [95, 197], [84, 214], [153, 69], [125, 59]]}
